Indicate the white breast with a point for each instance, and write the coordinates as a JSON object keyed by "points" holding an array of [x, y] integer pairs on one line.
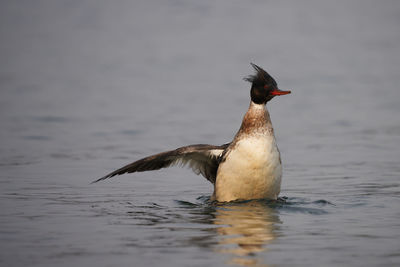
{"points": [[251, 170]]}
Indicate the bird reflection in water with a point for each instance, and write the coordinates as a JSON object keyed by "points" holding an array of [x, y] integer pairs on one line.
{"points": [[246, 230]]}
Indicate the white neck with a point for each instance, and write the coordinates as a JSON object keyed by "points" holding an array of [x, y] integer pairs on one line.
{"points": [[256, 106]]}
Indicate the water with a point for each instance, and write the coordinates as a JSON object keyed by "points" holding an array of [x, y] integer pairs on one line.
{"points": [[88, 86]]}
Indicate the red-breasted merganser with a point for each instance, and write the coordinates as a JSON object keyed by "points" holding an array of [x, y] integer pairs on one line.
{"points": [[247, 168]]}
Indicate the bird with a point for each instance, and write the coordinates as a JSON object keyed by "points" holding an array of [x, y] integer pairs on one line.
{"points": [[247, 168]]}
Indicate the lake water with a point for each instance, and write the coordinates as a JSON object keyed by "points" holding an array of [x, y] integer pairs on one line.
{"points": [[89, 86]]}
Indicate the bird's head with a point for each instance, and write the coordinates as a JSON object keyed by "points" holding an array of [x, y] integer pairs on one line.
{"points": [[263, 86]]}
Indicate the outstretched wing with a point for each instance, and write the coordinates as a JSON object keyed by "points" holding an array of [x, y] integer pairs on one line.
{"points": [[203, 159]]}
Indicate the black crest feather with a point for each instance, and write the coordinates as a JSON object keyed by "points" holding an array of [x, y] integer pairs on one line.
{"points": [[261, 77]]}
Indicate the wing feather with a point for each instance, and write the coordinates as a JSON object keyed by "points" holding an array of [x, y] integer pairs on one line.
{"points": [[202, 159]]}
